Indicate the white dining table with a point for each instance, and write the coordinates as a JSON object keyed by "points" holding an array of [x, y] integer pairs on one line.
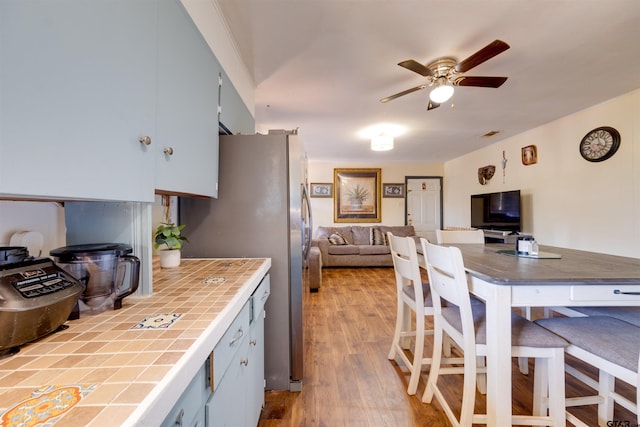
{"points": [[565, 278]]}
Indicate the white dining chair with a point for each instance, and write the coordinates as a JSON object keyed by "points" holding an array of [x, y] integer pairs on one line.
{"points": [[465, 324], [608, 344], [413, 296], [459, 235], [470, 235]]}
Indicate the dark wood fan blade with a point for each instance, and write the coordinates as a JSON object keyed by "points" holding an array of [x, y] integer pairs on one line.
{"points": [[432, 105], [480, 81], [416, 67], [404, 92], [484, 54]]}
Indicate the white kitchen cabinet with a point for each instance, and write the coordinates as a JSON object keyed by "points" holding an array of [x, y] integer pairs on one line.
{"points": [[187, 108], [77, 92]]}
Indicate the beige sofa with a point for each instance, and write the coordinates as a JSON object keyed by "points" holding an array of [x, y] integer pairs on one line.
{"points": [[356, 248]]}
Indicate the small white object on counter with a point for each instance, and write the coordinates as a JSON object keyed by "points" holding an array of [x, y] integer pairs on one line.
{"points": [[32, 240]]}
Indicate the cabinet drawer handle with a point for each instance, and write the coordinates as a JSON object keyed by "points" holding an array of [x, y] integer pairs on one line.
{"points": [[168, 151], [146, 140], [179, 418], [244, 362], [253, 342], [619, 292], [239, 334], [265, 296], [211, 372]]}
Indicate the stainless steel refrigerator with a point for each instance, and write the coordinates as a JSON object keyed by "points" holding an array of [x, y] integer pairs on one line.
{"points": [[260, 212]]}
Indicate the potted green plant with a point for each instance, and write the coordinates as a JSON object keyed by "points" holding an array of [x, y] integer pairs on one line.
{"points": [[168, 239]]}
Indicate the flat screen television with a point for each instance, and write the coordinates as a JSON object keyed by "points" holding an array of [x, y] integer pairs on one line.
{"points": [[496, 211]]}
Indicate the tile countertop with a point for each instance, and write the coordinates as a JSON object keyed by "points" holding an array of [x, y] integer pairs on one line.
{"points": [[129, 366]]}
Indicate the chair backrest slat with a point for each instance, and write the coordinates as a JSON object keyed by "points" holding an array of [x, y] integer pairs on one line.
{"points": [[446, 272], [405, 263], [448, 282]]}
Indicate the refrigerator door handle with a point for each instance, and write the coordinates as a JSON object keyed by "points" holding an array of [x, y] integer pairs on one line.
{"points": [[306, 231]]}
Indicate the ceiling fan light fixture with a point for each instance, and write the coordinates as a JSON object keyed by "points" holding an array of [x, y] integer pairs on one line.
{"points": [[382, 143], [442, 92]]}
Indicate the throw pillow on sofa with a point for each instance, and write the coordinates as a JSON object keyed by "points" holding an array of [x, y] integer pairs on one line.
{"points": [[360, 234], [377, 237], [337, 239]]}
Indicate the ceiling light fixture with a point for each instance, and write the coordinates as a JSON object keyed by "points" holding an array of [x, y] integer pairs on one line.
{"points": [[442, 92], [382, 143]]}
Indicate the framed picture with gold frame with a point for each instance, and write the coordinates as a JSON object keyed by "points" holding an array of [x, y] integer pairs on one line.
{"points": [[357, 195]]}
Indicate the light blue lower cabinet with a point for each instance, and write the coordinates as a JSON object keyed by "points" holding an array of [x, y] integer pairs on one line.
{"points": [[255, 395], [189, 410], [239, 394], [239, 398], [227, 406], [228, 390]]}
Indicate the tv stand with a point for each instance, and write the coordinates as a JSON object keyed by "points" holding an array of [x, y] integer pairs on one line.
{"points": [[502, 236]]}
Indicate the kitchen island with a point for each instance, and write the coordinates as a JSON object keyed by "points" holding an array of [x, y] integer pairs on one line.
{"points": [[130, 366]]}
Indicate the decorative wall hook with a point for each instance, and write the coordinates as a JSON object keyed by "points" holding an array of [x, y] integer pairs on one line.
{"points": [[486, 173], [504, 165]]}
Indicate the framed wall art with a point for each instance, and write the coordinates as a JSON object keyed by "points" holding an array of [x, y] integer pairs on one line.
{"points": [[393, 190], [357, 195], [529, 155], [322, 189]]}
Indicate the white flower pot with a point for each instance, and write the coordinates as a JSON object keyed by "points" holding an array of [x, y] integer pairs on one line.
{"points": [[169, 258]]}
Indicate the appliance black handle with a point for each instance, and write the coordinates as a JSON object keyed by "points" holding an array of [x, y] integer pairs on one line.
{"points": [[306, 232], [134, 262], [619, 292]]}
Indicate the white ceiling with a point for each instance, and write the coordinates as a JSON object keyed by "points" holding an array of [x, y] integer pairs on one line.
{"points": [[322, 66]]}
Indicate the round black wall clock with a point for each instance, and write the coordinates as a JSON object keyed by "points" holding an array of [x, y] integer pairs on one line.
{"points": [[600, 144]]}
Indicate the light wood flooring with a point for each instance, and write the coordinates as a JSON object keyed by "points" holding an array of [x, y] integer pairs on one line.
{"points": [[348, 380]]}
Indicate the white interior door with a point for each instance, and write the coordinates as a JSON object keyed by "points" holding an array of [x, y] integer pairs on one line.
{"points": [[424, 206]]}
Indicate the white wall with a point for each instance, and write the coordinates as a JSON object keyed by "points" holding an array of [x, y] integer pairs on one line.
{"points": [[46, 218], [118, 225], [567, 201], [159, 211], [392, 208]]}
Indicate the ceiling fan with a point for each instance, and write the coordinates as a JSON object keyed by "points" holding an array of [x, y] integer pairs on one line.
{"points": [[444, 73]]}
